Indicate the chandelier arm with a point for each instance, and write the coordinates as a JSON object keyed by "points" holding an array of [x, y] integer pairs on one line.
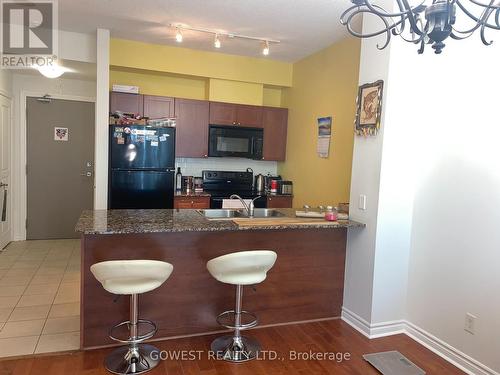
{"points": [[412, 20], [485, 5], [347, 22], [473, 17], [486, 15], [407, 9], [399, 30]]}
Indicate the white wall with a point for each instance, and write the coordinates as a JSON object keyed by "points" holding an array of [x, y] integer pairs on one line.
{"points": [[452, 111], [430, 252], [34, 84], [5, 82], [365, 179]]}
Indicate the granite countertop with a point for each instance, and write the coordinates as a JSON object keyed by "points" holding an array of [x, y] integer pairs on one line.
{"points": [[162, 221]]}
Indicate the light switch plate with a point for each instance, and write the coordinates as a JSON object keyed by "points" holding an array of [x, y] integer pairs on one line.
{"points": [[362, 202]]}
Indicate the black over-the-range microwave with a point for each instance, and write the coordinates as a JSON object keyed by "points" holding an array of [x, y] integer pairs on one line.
{"points": [[235, 141]]}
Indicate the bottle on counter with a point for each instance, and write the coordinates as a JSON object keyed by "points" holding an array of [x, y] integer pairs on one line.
{"points": [[178, 179], [330, 214]]}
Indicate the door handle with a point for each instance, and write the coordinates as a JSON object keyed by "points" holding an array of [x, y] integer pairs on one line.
{"points": [[86, 174], [4, 205]]}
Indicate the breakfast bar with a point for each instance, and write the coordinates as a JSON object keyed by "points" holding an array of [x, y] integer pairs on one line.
{"points": [[306, 282]]}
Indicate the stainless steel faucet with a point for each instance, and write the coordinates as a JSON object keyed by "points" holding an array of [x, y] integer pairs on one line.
{"points": [[248, 207]]}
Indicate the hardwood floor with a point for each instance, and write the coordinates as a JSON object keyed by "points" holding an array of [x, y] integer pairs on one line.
{"points": [[333, 336]]}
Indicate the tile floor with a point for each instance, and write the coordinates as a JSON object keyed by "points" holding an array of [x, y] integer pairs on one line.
{"points": [[39, 297]]}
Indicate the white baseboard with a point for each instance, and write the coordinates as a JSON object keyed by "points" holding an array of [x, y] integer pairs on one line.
{"points": [[372, 331], [441, 348]]}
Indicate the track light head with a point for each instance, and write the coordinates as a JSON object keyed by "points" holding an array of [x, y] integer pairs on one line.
{"points": [[265, 49], [217, 42], [178, 35]]}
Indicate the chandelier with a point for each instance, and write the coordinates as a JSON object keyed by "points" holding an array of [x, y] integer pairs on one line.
{"points": [[426, 24]]}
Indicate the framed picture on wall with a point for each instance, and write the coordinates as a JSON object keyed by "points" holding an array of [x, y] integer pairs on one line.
{"points": [[369, 108]]}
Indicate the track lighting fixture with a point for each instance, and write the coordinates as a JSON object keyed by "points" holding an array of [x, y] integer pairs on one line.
{"points": [[218, 35]]}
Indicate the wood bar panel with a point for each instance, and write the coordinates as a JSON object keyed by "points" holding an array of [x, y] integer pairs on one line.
{"points": [[305, 283]]}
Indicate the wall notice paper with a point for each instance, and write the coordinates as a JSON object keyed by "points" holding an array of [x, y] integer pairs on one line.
{"points": [[324, 136], [61, 134]]}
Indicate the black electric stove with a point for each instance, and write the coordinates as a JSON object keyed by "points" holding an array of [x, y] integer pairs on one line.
{"points": [[222, 184]]}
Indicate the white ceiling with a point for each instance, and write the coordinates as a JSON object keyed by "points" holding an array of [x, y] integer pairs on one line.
{"points": [[303, 26]]}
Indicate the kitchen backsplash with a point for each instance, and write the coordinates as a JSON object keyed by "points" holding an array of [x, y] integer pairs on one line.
{"points": [[194, 167]]}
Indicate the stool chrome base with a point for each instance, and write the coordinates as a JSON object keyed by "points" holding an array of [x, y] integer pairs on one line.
{"points": [[119, 361], [235, 349]]}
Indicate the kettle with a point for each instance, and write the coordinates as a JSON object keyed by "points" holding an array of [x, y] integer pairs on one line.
{"points": [[259, 183]]}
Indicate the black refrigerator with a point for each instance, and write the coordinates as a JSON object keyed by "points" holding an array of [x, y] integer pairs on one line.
{"points": [[142, 167]]}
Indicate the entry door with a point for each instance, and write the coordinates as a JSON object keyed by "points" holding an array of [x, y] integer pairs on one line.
{"points": [[5, 173], [60, 166]]}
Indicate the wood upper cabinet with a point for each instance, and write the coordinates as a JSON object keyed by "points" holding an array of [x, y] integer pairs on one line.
{"points": [[222, 113], [235, 114], [191, 135], [128, 103], [158, 106], [275, 122], [249, 115]]}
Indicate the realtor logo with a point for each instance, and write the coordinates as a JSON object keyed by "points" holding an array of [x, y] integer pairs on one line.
{"points": [[29, 33]]}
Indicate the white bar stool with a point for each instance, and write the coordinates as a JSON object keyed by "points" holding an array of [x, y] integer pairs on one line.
{"points": [[241, 268], [132, 277]]}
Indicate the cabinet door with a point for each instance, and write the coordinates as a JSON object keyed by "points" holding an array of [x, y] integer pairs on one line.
{"points": [[279, 202], [275, 121], [201, 203], [158, 106], [191, 137], [222, 113], [128, 103], [249, 116], [182, 204]]}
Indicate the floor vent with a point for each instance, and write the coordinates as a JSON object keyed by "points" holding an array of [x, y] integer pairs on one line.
{"points": [[393, 363]]}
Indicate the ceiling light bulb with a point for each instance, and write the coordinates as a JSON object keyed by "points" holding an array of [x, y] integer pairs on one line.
{"points": [[217, 43], [265, 50], [178, 36], [51, 71]]}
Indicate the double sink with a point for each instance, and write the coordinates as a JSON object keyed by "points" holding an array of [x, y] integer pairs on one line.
{"points": [[221, 214]]}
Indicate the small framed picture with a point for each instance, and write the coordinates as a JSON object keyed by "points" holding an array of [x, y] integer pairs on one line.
{"points": [[369, 108], [61, 134]]}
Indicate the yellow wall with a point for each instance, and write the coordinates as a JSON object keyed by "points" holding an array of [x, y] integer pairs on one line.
{"points": [[324, 84], [185, 61], [235, 92], [271, 96], [157, 83]]}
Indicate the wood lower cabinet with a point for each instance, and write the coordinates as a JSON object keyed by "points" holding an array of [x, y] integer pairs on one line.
{"points": [[280, 201], [275, 122], [191, 202], [158, 106], [128, 103], [191, 134], [235, 114]]}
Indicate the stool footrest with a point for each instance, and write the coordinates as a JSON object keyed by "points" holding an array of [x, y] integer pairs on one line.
{"points": [[228, 319], [139, 338]]}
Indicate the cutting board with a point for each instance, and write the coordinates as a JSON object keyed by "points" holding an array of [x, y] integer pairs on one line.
{"points": [[282, 221]]}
